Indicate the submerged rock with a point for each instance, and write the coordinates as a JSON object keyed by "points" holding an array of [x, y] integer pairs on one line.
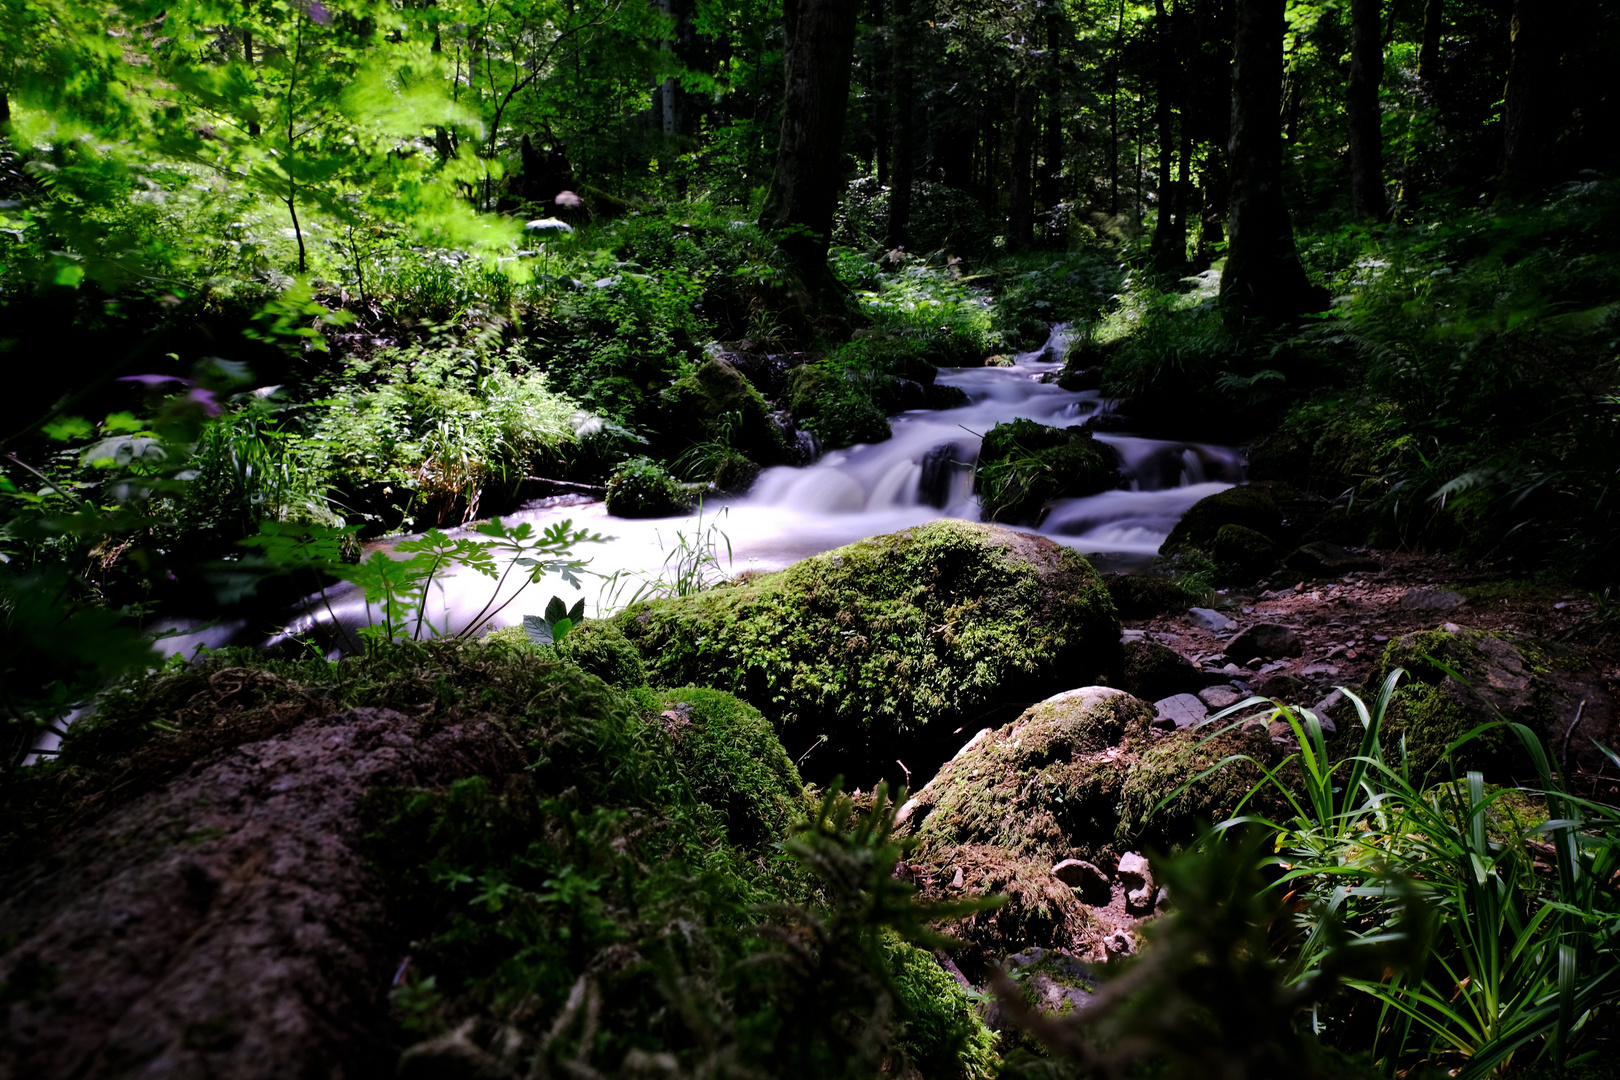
{"points": [[920, 630]]}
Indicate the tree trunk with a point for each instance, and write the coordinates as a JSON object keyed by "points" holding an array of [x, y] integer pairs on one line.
{"points": [[1021, 197], [1051, 185], [809, 172], [882, 87], [1263, 277], [1529, 121], [1367, 198], [1434, 16], [1113, 118], [1164, 118], [905, 145]]}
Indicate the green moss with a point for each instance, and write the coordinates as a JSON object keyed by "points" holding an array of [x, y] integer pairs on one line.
{"points": [[1023, 465], [927, 626], [1153, 671], [1172, 763], [940, 1031], [731, 756], [1142, 596], [601, 648], [1253, 506], [717, 395], [1242, 551], [835, 406], [640, 488]]}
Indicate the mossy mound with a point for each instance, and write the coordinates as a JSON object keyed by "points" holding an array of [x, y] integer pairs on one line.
{"points": [[1023, 465], [835, 407], [1252, 506], [717, 396], [1154, 671], [1078, 776], [1457, 682], [941, 1031], [1142, 596], [641, 488], [731, 756], [1243, 552], [924, 628]]}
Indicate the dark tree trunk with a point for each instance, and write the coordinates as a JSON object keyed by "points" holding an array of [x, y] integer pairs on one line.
{"points": [[1113, 118], [809, 173], [1051, 184], [1529, 120], [1021, 196], [1434, 21], [1164, 117], [1263, 277], [1367, 197], [882, 87], [1212, 229], [904, 72]]}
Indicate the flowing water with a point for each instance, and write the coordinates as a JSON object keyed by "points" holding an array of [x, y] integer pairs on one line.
{"points": [[924, 472]]}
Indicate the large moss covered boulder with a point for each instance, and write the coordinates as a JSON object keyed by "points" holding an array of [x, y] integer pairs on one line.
{"points": [[1254, 507], [1457, 680], [716, 400], [1024, 465], [925, 628]]}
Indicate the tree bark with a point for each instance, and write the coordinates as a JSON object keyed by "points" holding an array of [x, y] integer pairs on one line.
{"points": [[905, 146], [882, 107], [1528, 121], [1021, 197], [1367, 197], [809, 175], [1434, 21], [1263, 277], [1164, 117], [1051, 183]]}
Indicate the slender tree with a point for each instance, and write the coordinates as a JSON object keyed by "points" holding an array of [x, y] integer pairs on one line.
{"points": [[1434, 22], [1367, 197], [809, 175], [903, 67], [1263, 277], [1021, 193], [1529, 119]]}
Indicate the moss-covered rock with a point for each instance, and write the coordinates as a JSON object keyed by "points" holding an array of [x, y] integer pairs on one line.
{"points": [[941, 1033], [601, 648], [717, 396], [641, 488], [1023, 465], [1173, 763], [924, 628], [835, 407], [1457, 682], [1154, 671], [1253, 506], [731, 756], [1142, 596], [1243, 552]]}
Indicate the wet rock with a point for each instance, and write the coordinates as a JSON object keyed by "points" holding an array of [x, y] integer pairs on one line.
{"points": [[1325, 709], [1024, 465], [945, 396], [999, 360], [1085, 879], [1141, 596], [939, 468], [1081, 378], [1242, 551], [1324, 559], [1264, 639], [1219, 697], [1431, 600], [1253, 506], [1180, 711], [1210, 619]]}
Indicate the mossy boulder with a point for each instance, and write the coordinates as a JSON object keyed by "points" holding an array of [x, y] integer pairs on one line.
{"points": [[1024, 465], [1142, 596], [601, 648], [1252, 506], [641, 488], [840, 411], [1078, 776], [925, 628], [731, 756], [1455, 683], [1154, 671], [941, 1033], [1243, 552], [719, 400]]}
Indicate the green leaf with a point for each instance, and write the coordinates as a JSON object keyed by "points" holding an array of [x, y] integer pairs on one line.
{"points": [[538, 629]]}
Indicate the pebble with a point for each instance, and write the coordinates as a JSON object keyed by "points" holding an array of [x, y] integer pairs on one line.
{"points": [[1219, 697], [1210, 619], [1431, 600], [1179, 711]]}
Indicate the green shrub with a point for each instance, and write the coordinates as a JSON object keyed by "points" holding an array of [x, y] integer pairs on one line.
{"points": [[1023, 465], [835, 406], [640, 488]]}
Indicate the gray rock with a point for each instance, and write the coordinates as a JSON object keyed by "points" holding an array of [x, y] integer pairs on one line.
{"points": [[1210, 619], [1264, 639], [1431, 600], [1315, 671], [1179, 711], [1088, 882], [1137, 876], [1219, 697], [1323, 708]]}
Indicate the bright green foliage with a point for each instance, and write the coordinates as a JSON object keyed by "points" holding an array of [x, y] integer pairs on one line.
{"points": [[1024, 465], [940, 1029], [640, 488], [553, 627], [922, 627], [835, 405]]}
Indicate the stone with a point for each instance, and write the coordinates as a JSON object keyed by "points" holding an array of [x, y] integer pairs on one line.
{"points": [[1317, 671], [1264, 639], [1280, 686], [1325, 708], [1280, 731], [1431, 600], [1322, 559], [1210, 619], [1243, 551], [1179, 711], [1085, 879], [1153, 671], [1219, 697], [1137, 876], [956, 880], [1253, 506]]}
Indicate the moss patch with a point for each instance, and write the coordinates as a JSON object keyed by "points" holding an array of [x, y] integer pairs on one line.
{"points": [[1253, 506], [1153, 671], [940, 1031], [1243, 552], [717, 395], [1023, 465], [640, 488], [1142, 596], [929, 626]]}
